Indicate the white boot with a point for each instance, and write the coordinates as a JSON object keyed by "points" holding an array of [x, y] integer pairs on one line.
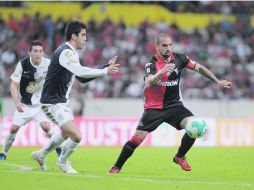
{"points": [[66, 167], [40, 160]]}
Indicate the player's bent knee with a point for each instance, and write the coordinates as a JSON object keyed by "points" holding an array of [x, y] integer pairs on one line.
{"points": [[14, 129], [45, 126], [76, 137]]}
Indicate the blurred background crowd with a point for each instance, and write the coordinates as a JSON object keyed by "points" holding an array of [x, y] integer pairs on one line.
{"points": [[224, 47]]}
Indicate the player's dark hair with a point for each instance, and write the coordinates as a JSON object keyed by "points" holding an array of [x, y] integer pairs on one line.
{"points": [[73, 27], [35, 43], [158, 36]]}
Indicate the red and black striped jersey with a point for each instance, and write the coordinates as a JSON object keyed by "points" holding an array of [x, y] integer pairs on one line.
{"points": [[166, 93]]}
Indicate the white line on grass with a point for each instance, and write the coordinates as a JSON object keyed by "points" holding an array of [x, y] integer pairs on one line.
{"points": [[188, 181], [27, 170], [20, 167]]}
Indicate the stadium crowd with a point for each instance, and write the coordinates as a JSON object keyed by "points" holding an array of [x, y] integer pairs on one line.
{"points": [[218, 7], [227, 49]]}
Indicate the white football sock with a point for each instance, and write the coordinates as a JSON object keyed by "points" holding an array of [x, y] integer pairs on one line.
{"points": [[68, 148], [55, 141], [8, 142]]}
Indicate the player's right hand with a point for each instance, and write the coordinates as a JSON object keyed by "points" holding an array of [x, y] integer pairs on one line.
{"points": [[168, 68], [113, 68], [20, 107]]}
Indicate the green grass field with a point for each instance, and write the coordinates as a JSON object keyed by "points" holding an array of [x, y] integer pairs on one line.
{"points": [[149, 168]]}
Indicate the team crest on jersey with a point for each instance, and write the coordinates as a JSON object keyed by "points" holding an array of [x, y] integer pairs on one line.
{"points": [[34, 86], [148, 64]]}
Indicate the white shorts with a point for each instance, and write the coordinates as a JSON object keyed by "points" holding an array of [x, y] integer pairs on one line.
{"points": [[30, 112], [58, 113]]}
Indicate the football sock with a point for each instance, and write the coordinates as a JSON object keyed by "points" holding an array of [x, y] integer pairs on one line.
{"points": [[8, 142], [127, 151], [68, 148], [186, 144], [55, 141]]}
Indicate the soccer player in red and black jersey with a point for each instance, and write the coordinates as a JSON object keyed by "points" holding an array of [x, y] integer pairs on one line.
{"points": [[162, 99]]}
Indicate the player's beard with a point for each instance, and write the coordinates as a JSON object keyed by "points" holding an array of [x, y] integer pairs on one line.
{"points": [[165, 55]]}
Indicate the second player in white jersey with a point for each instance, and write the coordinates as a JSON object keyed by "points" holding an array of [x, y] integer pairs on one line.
{"points": [[63, 69], [26, 87]]}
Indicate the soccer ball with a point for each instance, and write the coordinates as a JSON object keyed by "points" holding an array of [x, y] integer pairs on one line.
{"points": [[195, 127]]}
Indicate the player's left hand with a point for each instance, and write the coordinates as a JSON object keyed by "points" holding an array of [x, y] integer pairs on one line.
{"points": [[224, 84], [112, 60], [113, 68]]}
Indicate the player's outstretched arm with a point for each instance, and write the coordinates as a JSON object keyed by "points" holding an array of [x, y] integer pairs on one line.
{"points": [[208, 74], [69, 61], [113, 68], [85, 80]]}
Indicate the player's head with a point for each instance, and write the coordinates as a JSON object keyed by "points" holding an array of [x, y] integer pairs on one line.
{"points": [[36, 51], [75, 33], [163, 44]]}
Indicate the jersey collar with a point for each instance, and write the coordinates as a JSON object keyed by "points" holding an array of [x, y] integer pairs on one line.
{"points": [[162, 60], [68, 44]]}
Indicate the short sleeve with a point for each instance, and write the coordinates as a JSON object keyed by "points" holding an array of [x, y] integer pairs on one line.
{"points": [[67, 57], [150, 69], [190, 64], [16, 75]]}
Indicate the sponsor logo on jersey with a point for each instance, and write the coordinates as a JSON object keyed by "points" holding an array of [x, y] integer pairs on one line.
{"points": [[168, 83], [35, 85]]}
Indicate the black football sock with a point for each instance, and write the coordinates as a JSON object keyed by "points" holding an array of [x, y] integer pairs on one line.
{"points": [[186, 144], [126, 152]]}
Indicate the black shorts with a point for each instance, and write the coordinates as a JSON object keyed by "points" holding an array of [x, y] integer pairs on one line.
{"points": [[153, 118]]}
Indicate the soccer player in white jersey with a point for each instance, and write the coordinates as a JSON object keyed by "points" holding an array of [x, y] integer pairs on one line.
{"points": [[27, 80], [63, 69]]}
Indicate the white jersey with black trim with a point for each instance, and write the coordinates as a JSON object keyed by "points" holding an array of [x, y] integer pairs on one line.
{"points": [[30, 78], [63, 68]]}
